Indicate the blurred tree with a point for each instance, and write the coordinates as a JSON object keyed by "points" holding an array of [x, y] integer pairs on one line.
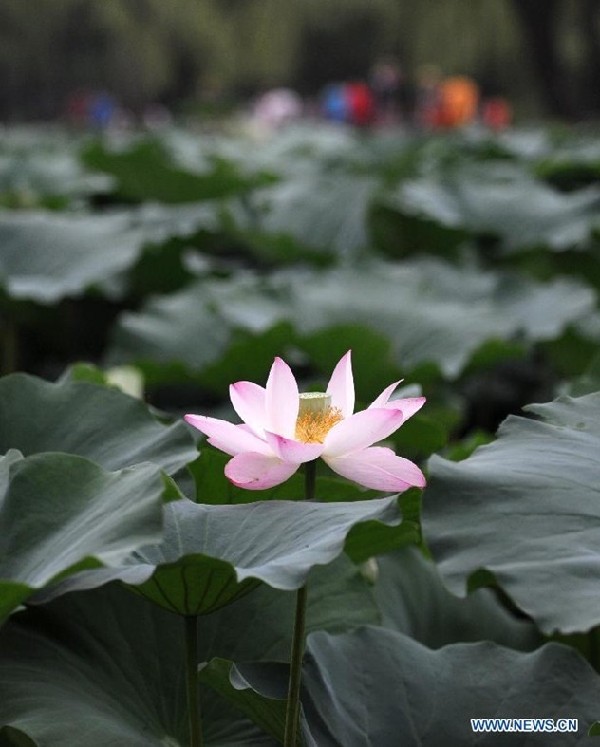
{"points": [[567, 90], [334, 49], [536, 52], [590, 27], [540, 30], [139, 50]]}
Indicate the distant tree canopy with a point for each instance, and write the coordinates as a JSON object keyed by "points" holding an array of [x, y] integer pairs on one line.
{"points": [[150, 50], [140, 50], [564, 44]]}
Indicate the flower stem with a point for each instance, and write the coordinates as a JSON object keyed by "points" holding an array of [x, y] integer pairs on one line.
{"points": [[310, 480], [292, 713], [191, 671]]}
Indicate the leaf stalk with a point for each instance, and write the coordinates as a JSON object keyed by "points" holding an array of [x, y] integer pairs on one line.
{"points": [[292, 713], [191, 671]]}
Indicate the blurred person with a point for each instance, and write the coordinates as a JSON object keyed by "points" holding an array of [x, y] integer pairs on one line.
{"points": [[361, 104], [277, 107], [349, 103], [458, 101], [77, 108], [385, 81], [101, 110], [427, 98], [335, 104], [496, 113]]}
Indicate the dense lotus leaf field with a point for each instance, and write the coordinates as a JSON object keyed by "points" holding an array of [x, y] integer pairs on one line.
{"points": [[465, 265]]}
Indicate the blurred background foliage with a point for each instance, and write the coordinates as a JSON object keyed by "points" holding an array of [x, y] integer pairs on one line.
{"points": [[544, 55]]}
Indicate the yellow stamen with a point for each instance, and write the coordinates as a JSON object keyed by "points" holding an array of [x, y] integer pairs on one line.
{"points": [[316, 417]]}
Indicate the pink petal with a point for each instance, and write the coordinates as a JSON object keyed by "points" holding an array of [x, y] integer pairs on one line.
{"points": [[248, 401], [361, 430], [408, 405], [293, 451], [282, 399], [230, 438], [257, 471], [341, 386], [384, 396], [380, 469]]}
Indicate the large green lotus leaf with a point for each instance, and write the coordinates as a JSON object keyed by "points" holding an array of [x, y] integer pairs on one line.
{"points": [[428, 308], [160, 223], [145, 172], [45, 257], [31, 174], [60, 512], [503, 200], [526, 143], [105, 668], [213, 554], [414, 305], [195, 326], [298, 148], [414, 601], [172, 233], [363, 541], [11, 737], [339, 599], [373, 538], [96, 422], [567, 175], [430, 311], [260, 693], [526, 509], [296, 151], [399, 232], [102, 669], [322, 212], [572, 163], [378, 687], [244, 235]]}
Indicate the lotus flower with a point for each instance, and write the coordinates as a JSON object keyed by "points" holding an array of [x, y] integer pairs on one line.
{"points": [[282, 429]]}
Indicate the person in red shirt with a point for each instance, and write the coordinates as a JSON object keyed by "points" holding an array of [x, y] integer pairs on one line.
{"points": [[361, 104]]}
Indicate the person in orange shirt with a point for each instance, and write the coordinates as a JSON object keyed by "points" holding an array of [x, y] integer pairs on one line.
{"points": [[458, 101]]}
